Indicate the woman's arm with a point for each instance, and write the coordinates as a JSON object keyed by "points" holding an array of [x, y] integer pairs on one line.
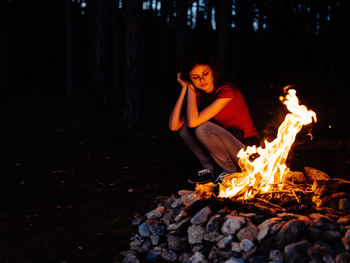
{"points": [[176, 119], [195, 118]]}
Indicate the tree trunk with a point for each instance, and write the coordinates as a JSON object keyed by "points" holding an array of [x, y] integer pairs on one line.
{"points": [[180, 30], [99, 51], [134, 68], [69, 51], [4, 48], [223, 23], [243, 27], [117, 61]]}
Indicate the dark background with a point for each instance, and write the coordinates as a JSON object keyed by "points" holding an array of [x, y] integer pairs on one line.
{"points": [[86, 88]]}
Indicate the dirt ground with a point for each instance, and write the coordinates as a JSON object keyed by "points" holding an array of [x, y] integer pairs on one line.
{"points": [[68, 197]]}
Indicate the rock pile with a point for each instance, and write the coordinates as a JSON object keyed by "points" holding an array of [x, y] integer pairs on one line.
{"points": [[188, 228]]}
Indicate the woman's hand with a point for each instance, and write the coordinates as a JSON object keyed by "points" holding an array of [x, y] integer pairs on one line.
{"points": [[191, 87], [183, 83]]}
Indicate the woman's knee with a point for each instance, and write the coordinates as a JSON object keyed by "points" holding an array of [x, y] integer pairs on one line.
{"points": [[185, 132], [203, 130]]}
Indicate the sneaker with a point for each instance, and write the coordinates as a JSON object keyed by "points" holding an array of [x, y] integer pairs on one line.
{"points": [[203, 176], [221, 177]]}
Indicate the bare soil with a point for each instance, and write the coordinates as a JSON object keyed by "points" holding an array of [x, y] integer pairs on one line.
{"points": [[70, 196]]}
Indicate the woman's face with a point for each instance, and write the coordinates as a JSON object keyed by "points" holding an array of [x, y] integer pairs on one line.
{"points": [[202, 78]]}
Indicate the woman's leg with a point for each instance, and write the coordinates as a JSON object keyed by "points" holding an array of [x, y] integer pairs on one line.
{"points": [[221, 144], [190, 139]]}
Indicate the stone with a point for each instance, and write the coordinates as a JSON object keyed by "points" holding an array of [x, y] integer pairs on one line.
{"points": [[276, 256], [138, 220], [295, 177], [212, 237], [202, 216], [236, 247], [250, 232], [287, 216], [344, 220], [154, 240], [328, 248], [297, 252], [264, 227], [124, 253], [180, 216], [246, 245], [312, 174], [155, 227], [316, 252], [346, 243], [331, 200], [232, 224], [258, 259], [290, 232], [136, 242], [195, 234], [307, 221], [197, 258], [168, 255], [249, 215], [184, 257], [276, 227], [184, 192], [323, 235], [224, 211], [265, 210], [130, 258], [199, 248], [234, 260], [142, 247], [323, 222], [249, 254], [156, 213], [167, 216], [143, 230], [328, 258], [213, 224], [224, 253], [187, 199], [153, 254], [347, 235], [344, 205], [171, 199], [176, 243], [179, 225], [224, 243], [213, 254], [343, 257]]}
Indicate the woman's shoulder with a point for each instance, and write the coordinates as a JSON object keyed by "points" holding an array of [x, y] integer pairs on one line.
{"points": [[226, 87]]}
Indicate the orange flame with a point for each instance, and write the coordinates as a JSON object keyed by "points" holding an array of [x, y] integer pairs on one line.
{"points": [[267, 172]]}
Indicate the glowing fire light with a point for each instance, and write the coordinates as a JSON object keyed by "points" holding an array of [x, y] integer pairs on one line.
{"points": [[267, 172]]}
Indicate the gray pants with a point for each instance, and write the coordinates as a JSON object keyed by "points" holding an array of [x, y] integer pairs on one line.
{"points": [[213, 145]]}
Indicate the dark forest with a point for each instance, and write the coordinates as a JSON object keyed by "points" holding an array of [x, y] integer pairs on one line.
{"points": [[86, 88]]}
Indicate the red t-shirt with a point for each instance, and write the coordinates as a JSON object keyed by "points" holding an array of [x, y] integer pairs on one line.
{"points": [[235, 114]]}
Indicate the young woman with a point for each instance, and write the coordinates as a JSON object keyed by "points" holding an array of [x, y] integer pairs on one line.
{"points": [[212, 118]]}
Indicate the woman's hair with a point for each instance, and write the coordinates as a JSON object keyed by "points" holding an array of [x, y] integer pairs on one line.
{"points": [[199, 58]]}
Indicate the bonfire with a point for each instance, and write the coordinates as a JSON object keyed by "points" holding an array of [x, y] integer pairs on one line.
{"points": [[265, 213], [263, 169]]}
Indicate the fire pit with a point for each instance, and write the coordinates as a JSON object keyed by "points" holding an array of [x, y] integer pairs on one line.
{"points": [[265, 213]]}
